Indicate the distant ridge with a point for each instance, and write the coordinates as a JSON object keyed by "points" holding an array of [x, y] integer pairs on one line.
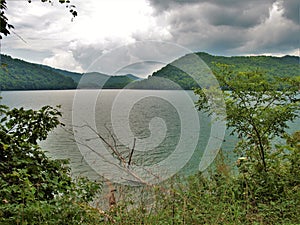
{"points": [[286, 66], [133, 77], [97, 80], [16, 74]]}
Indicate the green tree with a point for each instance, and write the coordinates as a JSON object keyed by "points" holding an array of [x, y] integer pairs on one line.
{"points": [[33, 186], [258, 108], [5, 26]]}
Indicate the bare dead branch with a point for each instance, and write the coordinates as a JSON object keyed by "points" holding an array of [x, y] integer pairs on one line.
{"points": [[111, 135], [116, 152], [131, 153]]}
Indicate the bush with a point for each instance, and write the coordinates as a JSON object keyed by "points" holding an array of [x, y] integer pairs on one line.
{"points": [[35, 189]]}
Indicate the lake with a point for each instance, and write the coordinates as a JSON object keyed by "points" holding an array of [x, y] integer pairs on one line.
{"points": [[161, 129]]}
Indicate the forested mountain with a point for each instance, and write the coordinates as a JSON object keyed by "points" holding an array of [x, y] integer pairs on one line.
{"points": [[17, 74], [287, 66]]}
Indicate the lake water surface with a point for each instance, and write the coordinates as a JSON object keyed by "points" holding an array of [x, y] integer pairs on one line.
{"points": [[157, 124]]}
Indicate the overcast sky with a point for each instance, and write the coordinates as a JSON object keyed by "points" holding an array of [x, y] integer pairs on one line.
{"points": [[44, 33]]}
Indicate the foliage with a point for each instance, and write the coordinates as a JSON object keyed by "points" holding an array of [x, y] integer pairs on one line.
{"points": [[35, 189], [5, 27], [257, 109]]}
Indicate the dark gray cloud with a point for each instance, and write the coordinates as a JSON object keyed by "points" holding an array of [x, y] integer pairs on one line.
{"points": [[291, 10], [233, 26], [235, 12], [246, 16], [223, 12], [167, 4]]}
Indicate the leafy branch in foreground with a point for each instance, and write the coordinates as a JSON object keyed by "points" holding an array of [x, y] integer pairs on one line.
{"points": [[35, 189], [258, 109]]}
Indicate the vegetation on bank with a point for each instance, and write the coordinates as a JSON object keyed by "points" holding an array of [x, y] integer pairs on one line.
{"points": [[263, 187]]}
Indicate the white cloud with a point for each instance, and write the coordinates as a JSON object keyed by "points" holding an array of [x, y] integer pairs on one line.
{"points": [[103, 20], [63, 60]]}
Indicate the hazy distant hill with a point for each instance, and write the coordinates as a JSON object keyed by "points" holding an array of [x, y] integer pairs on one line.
{"points": [[17, 74], [133, 77], [96, 80], [99, 80], [286, 66]]}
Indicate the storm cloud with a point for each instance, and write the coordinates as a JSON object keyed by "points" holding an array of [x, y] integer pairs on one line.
{"points": [[232, 26], [221, 27]]}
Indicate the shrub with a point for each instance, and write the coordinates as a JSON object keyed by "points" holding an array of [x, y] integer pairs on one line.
{"points": [[35, 189]]}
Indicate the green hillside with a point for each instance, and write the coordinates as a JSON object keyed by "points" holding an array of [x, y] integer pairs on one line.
{"points": [[75, 76], [17, 74], [287, 66]]}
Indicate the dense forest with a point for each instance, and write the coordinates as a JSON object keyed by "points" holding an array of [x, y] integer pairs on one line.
{"points": [[287, 66]]}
